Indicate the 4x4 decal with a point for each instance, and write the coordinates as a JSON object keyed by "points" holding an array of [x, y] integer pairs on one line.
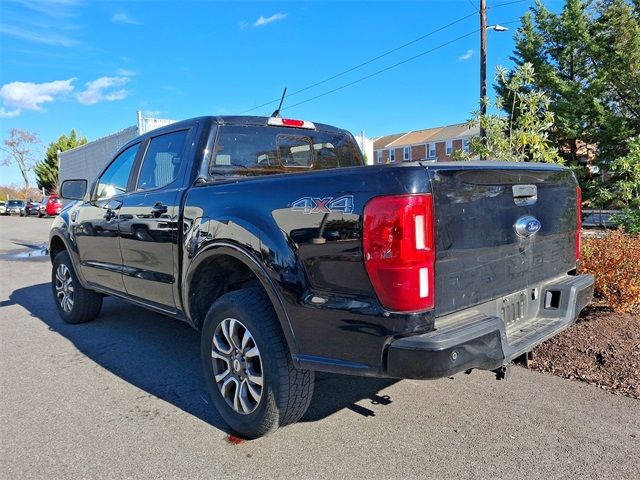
{"points": [[343, 204]]}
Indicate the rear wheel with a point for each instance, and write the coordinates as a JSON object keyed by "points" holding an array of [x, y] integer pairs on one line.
{"points": [[248, 368], [75, 303]]}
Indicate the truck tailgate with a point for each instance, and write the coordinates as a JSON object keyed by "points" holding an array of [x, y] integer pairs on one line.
{"points": [[479, 255]]}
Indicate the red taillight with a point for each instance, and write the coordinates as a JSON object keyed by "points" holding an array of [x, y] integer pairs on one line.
{"points": [[578, 220], [399, 251], [288, 122]]}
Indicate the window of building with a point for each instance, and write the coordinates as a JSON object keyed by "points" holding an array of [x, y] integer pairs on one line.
{"points": [[431, 148], [449, 148], [378, 156], [406, 154], [392, 155], [466, 144]]}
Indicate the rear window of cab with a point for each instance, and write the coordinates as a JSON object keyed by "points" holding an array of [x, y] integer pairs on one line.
{"points": [[255, 150]]}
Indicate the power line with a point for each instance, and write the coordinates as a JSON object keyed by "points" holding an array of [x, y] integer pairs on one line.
{"points": [[474, 6], [367, 62], [391, 66], [386, 68], [382, 55], [489, 7]]}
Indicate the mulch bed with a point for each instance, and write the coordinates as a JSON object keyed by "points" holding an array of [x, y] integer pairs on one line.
{"points": [[602, 348]]}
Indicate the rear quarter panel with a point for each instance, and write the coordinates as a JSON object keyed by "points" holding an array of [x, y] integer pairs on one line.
{"points": [[306, 230]]}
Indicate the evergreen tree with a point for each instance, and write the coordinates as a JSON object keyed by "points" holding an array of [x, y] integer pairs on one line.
{"points": [[616, 62], [47, 170], [558, 47], [587, 61]]}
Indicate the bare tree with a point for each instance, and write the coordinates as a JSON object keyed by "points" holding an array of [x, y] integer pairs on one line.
{"points": [[18, 148]]}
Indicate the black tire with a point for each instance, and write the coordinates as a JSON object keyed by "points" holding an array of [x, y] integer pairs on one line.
{"points": [[286, 391], [85, 304]]}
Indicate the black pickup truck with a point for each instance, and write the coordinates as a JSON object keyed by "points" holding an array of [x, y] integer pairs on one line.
{"points": [[270, 237]]}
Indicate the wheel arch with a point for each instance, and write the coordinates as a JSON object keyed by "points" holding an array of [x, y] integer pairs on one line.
{"points": [[56, 245], [224, 259]]}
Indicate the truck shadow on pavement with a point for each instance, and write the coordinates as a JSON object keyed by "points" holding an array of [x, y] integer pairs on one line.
{"points": [[160, 355]]}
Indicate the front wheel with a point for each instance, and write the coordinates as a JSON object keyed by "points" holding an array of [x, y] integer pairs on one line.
{"points": [[75, 303], [248, 368]]}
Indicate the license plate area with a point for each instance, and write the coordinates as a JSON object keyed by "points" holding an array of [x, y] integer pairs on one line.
{"points": [[513, 308]]}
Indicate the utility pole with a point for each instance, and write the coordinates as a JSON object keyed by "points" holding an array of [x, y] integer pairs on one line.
{"points": [[483, 70]]}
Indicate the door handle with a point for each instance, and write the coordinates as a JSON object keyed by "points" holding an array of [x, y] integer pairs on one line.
{"points": [[158, 209]]}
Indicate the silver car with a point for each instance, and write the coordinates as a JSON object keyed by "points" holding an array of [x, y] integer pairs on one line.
{"points": [[16, 207]]}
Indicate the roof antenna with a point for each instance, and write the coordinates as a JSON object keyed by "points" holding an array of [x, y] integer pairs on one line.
{"points": [[276, 112]]}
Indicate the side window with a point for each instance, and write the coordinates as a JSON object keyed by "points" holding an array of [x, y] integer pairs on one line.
{"points": [[162, 160], [115, 178]]}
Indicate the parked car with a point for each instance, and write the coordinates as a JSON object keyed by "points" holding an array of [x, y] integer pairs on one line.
{"points": [[16, 207], [270, 237], [50, 206], [3, 208], [32, 208]]}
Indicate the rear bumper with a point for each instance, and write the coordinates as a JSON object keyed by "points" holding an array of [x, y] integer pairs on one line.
{"points": [[475, 338]]}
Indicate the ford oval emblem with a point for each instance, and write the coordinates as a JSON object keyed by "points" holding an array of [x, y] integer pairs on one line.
{"points": [[527, 226]]}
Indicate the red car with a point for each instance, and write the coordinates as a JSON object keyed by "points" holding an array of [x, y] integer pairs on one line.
{"points": [[50, 206]]}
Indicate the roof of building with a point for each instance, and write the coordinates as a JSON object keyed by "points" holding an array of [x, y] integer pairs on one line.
{"points": [[454, 131], [416, 136], [436, 134], [382, 142]]}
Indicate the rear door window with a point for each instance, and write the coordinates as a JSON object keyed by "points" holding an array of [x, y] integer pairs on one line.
{"points": [[162, 160]]}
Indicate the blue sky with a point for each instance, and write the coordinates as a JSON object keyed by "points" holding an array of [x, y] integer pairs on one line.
{"points": [[90, 65]]}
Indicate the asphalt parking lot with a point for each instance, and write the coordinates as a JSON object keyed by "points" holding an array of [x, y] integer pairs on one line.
{"points": [[123, 397]]}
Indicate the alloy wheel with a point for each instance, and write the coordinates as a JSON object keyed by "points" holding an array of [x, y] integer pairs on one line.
{"points": [[237, 366], [64, 287]]}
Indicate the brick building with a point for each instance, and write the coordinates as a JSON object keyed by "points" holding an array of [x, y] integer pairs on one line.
{"points": [[432, 144]]}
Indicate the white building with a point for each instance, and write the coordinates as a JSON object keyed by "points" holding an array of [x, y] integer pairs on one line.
{"points": [[366, 147], [86, 161]]}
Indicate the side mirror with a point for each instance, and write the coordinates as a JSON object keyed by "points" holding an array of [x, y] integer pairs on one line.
{"points": [[73, 189]]}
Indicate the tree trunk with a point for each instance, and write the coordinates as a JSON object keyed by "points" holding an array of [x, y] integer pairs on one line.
{"points": [[24, 170]]}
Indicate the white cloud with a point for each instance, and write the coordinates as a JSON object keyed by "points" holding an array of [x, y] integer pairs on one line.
{"points": [[52, 8], [123, 72], [123, 17], [38, 37], [466, 56], [9, 113], [30, 96], [261, 21], [102, 89]]}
